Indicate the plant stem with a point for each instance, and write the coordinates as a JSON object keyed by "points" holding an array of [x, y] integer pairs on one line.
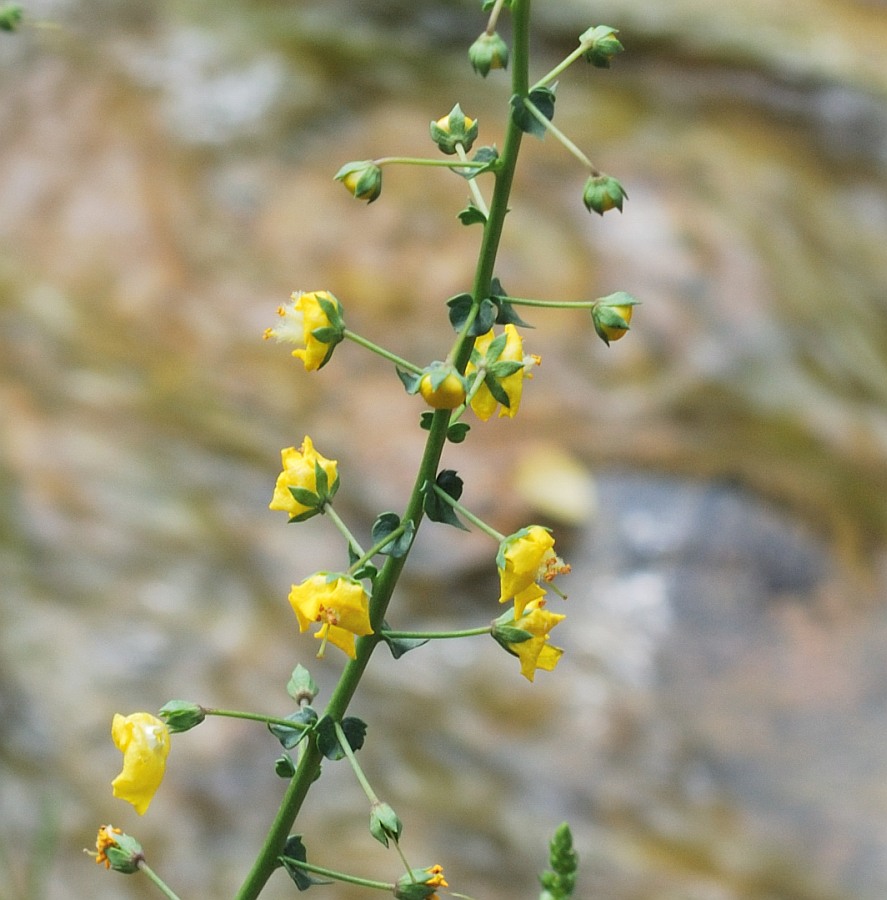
{"points": [[484, 527], [256, 717], [309, 762], [437, 635], [157, 881], [385, 354], [551, 127]]}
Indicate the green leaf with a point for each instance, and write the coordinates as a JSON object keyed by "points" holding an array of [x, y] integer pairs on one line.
{"points": [[471, 215], [399, 646], [384, 525], [460, 308], [425, 420], [437, 509], [284, 767], [543, 99], [457, 432], [486, 316], [328, 741], [294, 851], [290, 737]]}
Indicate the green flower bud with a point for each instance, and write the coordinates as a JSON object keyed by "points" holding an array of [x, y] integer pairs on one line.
{"points": [[456, 128], [489, 51], [385, 824], [603, 193], [611, 316], [601, 45], [180, 715], [363, 179]]}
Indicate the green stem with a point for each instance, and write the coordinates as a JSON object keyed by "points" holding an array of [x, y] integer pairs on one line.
{"points": [[436, 635], [256, 717], [476, 195], [560, 67], [158, 882], [308, 766], [484, 527], [554, 130], [554, 304], [355, 765], [341, 876], [385, 354], [343, 529], [422, 161]]}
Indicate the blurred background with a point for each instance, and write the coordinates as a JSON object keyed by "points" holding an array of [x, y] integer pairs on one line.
{"points": [[716, 729]]}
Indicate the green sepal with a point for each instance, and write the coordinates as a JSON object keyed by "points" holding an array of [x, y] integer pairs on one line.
{"points": [[457, 432], [301, 686], [439, 510], [284, 767], [543, 99], [328, 741], [290, 737], [306, 498], [384, 525], [495, 388], [471, 215], [294, 851], [509, 634], [385, 824], [410, 380], [399, 646]]}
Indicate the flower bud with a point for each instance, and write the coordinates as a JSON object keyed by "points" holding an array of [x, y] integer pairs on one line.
{"points": [[442, 387], [456, 128], [489, 51], [603, 193], [181, 715], [601, 45], [611, 316], [363, 179], [417, 884], [118, 851], [385, 824]]}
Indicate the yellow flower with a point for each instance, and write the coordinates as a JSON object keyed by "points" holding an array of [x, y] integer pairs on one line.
{"points": [[537, 652], [525, 558], [313, 320], [144, 742], [339, 603], [362, 179], [420, 884], [507, 370], [525, 635], [312, 477]]}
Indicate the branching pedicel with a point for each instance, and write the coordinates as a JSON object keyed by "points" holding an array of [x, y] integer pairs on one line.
{"points": [[483, 371]]}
